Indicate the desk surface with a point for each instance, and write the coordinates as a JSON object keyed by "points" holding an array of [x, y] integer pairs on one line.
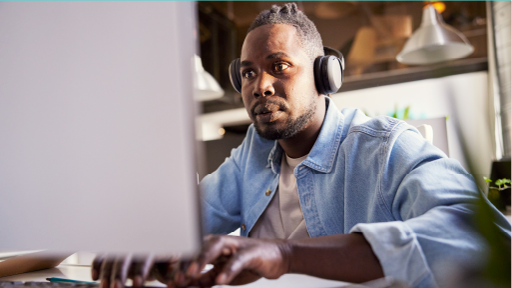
{"points": [[83, 272]]}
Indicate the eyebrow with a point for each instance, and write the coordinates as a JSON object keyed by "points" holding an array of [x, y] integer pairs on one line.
{"points": [[245, 63], [276, 55]]}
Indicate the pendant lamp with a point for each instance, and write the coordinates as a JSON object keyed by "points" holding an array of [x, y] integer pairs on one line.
{"points": [[205, 86], [434, 42]]}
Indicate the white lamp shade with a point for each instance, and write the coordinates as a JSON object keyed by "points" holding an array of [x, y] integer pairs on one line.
{"points": [[434, 42], [205, 86]]}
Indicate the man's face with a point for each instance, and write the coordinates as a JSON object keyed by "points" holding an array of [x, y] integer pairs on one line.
{"points": [[278, 87]]}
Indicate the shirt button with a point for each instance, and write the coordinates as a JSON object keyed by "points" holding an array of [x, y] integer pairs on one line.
{"points": [[243, 227], [268, 192]]}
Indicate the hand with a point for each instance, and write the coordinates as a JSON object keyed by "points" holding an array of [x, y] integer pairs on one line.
{"points": [[236, 260], [114, 270]]}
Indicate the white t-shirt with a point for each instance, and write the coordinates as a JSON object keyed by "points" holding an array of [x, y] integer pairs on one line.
{"points": [[283, 217]]}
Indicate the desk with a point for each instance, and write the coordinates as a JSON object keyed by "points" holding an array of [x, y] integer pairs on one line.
{"points": [[83, 272]]}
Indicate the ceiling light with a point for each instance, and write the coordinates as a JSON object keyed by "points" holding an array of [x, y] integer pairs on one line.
{"points": [[434, 42], [205, 86]]}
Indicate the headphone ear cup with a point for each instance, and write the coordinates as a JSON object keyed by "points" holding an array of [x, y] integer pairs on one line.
{"points": [[328, 72], [234, 75], [317, 71]]}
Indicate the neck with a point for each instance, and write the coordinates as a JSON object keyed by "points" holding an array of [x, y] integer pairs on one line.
{"points": [[300, 144]]}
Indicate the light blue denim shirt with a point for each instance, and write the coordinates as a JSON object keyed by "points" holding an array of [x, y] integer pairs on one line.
{"points": [[374, 176]]}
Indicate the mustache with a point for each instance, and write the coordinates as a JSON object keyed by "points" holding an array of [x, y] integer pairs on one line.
{"points": [[270, 105]]}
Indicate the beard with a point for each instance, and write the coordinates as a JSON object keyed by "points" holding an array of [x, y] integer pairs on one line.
{"points": [[270, 130]]}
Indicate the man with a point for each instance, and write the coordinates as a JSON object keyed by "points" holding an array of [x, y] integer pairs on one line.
{"points": [[351, 198]]}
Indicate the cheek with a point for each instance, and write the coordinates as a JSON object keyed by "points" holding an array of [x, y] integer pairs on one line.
{"points": [[249, 114], [302, 88], [305, 79], [246, 99]]}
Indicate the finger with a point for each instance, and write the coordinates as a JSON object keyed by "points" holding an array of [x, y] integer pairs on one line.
{"points": [[180, 280], [202, 281], [185, 264], [96, 266], [206, 279], [233, 267], [164, 269], [170, 284], [106, 271], [120, 270], [140, 269], [245, 277], [214, 247]]}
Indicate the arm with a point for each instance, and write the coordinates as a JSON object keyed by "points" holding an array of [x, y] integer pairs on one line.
{"points": [[344, 257], [431, 202]]}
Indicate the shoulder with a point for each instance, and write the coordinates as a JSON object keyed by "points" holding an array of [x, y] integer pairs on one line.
{"points": [[384, 135], [382, 130], [381, 126]]}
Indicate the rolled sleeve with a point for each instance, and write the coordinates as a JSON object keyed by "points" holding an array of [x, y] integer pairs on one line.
{"points": [[398, 251]]}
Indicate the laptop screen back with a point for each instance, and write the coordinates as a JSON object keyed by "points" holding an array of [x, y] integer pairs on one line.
{"points": [[97, 127]]}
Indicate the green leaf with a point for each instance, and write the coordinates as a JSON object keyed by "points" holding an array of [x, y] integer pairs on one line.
{"points": [[406, 113], [487, 180]]}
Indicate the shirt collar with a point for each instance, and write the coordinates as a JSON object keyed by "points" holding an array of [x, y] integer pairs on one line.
{"points": [[321, 157], [274, 158]]}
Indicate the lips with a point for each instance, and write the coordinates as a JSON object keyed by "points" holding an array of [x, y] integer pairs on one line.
{"points": [[267, 112], [269, 117], [266, 108]]}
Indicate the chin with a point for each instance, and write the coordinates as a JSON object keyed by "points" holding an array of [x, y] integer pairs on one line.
{"points": [[268, 131], [272, 132]]}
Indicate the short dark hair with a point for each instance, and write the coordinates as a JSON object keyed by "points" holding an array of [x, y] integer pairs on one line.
{"points": [[309, 38]]}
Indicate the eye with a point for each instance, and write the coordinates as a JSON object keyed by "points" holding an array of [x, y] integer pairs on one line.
{"points": [[248, 74], [280, 66]]}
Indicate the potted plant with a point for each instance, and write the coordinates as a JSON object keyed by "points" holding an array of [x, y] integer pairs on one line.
{"points": [[496, 192]]}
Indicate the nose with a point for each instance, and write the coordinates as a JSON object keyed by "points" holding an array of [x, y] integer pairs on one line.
{"points": [[264, 86]]}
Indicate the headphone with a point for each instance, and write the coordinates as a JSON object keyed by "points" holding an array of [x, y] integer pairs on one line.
{"points": [[328, 71]]}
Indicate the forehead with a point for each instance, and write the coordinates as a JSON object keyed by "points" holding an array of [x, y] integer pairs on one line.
{"points": [[271, 39]]}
